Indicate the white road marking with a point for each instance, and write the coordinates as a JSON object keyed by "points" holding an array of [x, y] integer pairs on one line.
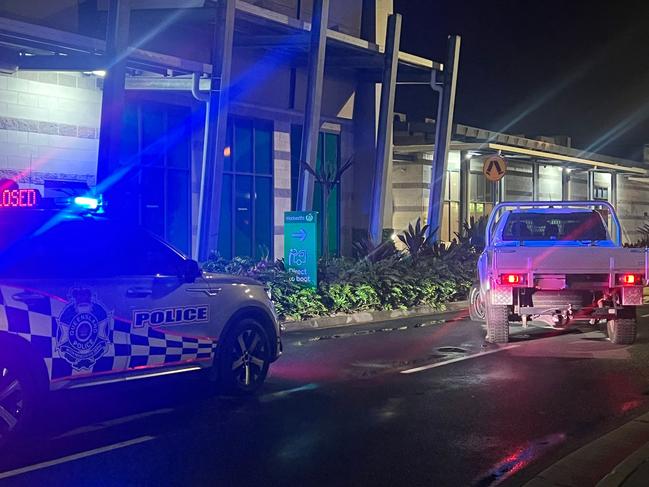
{"points": [[113, 422], [76, 456], [458, 359]]}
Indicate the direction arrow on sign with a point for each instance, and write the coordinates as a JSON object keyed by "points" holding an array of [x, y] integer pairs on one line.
{"points": [[494, 168], [300, 235]]}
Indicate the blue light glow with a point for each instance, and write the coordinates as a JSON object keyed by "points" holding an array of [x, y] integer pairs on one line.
{"points": [[86, 202]]}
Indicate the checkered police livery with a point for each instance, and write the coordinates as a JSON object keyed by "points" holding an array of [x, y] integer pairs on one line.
{"points": [[80, 336]]}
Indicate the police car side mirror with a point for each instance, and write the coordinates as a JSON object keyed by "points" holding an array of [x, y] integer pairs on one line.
{"points": [[190, 270]]}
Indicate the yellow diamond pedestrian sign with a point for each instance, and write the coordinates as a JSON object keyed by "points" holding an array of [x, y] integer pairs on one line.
{"points": [[494, 168]]}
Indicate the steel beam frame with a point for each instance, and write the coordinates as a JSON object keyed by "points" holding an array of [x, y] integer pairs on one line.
{"points": [[311, 126], [216, 120], [565, 184], [465, 167], [382, 165], [443, 130], [112, 102]]}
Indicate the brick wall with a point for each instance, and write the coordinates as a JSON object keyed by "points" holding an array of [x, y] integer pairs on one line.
{"points": [[49, 125]]}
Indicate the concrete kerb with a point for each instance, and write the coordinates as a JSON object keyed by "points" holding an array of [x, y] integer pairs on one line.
{"points": [[609, 461], [369, 317]]}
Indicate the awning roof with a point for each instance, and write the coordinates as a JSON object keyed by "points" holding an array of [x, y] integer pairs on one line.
{"points": [[255, 27], [468, 138]]}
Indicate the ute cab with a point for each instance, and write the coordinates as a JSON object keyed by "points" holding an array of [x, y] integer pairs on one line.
{"points": [[86, 301]]}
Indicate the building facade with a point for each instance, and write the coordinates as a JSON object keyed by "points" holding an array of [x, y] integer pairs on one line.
{"points": [[538, 169], [51, 117]]}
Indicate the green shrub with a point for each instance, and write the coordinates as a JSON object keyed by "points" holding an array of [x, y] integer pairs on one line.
{"points": [[383, 280]]}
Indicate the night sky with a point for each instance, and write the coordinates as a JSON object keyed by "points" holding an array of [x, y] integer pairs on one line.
{"points": [[553, 67]]}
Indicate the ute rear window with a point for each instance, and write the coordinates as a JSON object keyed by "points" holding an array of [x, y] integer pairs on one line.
{"points": [[555, 226]]}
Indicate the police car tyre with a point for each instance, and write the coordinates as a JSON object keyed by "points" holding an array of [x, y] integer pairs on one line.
{"points": [[476, 304], [18, 398], [497, 317], [622, 331], [244, 358]]}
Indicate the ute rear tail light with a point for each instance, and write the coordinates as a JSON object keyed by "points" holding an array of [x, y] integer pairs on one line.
{"points": [[512, 279], [630, 279]]}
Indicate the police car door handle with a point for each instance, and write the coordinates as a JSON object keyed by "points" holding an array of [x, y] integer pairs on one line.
{"points": [[210, 291], [138, 292]]}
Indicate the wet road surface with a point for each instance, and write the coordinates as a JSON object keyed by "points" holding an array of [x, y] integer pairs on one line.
{"points": [[410, 402]]}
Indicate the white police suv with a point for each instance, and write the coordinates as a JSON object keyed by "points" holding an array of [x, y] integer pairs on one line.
{"points": [[86, 301]]}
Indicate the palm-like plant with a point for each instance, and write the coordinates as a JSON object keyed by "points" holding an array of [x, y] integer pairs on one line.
{"points": [[416, 239], [328, 177]]}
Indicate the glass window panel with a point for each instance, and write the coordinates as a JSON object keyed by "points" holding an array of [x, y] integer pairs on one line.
{"points": [[331, 150], [227, 151], [242, 147], [178, 224], [550, 183], [153, 132], [263, 216], [153, 208], [454, 220], [453, 186], [473, 187], [225, 230], [263, 148], [178, 140], [444, 233], [243, 216]]}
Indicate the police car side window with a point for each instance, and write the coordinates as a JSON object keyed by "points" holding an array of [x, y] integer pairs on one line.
{"points": [[150, 256]]}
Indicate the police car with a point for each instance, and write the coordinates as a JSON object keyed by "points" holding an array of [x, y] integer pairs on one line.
{"points": [[85, 301]]}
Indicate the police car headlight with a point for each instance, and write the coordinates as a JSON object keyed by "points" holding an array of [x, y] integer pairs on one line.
{"points": [[268, 293]]}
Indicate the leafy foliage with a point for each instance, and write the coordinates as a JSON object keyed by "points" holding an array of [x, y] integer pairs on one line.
{"points": [[415, 239], [379, 277]]}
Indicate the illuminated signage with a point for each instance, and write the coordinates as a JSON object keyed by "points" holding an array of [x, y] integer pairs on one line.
{"points": [[18, 198]]}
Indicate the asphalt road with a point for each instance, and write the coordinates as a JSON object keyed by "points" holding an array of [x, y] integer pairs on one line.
{"points": [[411, 402]]}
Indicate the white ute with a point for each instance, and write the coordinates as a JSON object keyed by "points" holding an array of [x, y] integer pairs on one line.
{"points": [[556, 262]]}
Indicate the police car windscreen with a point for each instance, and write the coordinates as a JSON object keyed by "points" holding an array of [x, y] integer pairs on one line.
{"points": [[581, 226]]}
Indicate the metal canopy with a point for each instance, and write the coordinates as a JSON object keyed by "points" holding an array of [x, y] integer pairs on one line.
{"points": [[259, 28], [255, 28]]}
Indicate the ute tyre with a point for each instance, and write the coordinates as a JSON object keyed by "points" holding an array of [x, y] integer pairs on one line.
{"points": [[622, 331], [19, 399], [244, 358], [476, 304], [497, 317]]}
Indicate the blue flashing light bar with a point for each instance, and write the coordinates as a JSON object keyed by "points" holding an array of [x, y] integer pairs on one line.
{"points": [[87, 202]]}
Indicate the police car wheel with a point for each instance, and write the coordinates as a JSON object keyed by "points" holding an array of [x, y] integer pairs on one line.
{"points": [[244, 358], [17, 398]]}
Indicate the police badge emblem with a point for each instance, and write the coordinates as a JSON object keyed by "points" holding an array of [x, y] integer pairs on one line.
{"points": [[83, 334]]}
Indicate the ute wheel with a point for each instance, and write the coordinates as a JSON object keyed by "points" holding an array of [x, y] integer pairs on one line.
{"points": [[622, 331], [476, 304], [497, 317], [244, 358], [19, 395]]}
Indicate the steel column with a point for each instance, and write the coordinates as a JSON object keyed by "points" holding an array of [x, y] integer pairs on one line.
{"points": [[216, 120], [565, 184], [311, 126], [535, 181], [443, 132], [382, 164], [112, 101], [613, 196], [465, 165]]}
